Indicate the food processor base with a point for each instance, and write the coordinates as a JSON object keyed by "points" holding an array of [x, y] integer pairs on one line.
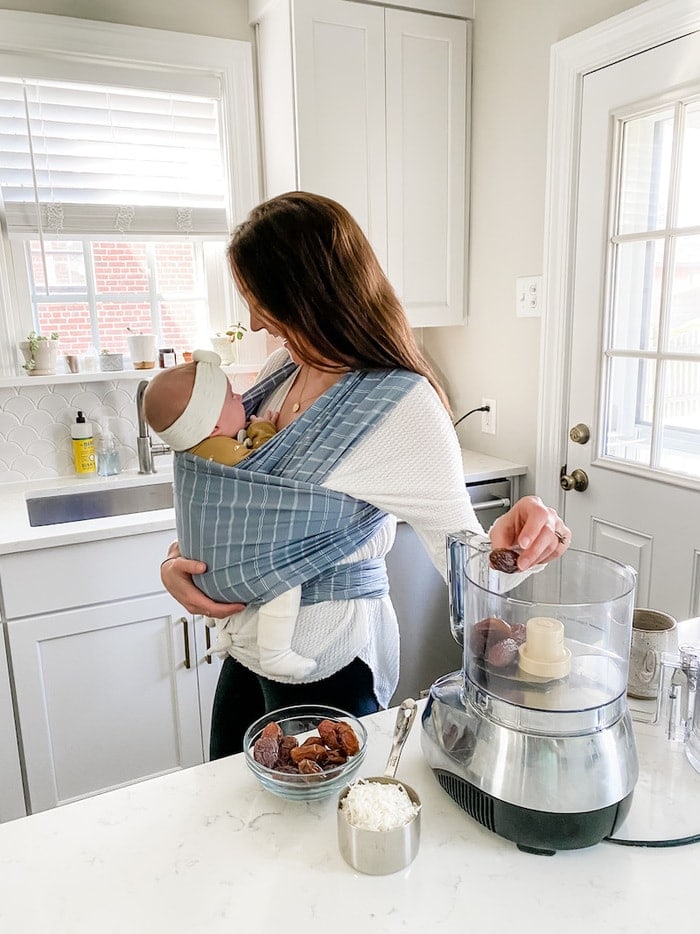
{"points": [[536, 832]]}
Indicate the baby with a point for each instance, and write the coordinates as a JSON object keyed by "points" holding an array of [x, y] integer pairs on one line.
{"points": [[193, 408]]}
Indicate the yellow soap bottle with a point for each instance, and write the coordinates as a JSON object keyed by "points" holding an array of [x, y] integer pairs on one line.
{"points": [[83, 446]]}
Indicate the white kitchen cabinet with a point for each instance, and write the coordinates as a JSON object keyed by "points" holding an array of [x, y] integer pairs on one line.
{"points": [[369, 105], [108, 691]]}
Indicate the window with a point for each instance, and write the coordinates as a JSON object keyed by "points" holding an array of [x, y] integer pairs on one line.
{"points": [[120, 183], [651, 407]]}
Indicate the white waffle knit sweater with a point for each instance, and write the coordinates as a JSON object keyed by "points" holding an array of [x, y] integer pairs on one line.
{"points": [[410, 466]]}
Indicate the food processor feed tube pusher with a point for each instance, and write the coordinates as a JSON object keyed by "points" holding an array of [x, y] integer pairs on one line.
{"points": [[533, 737]]}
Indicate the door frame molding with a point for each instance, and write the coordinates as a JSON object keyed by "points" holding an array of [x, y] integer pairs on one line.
{"points": [[634, 31]]}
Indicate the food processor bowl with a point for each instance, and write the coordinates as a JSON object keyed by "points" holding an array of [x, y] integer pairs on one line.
{"points": [[533, 737]]}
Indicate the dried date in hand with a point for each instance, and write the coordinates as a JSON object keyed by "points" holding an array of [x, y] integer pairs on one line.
{"points": [[504, 559]]}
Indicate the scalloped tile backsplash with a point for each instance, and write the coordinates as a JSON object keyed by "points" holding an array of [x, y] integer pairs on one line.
{"points": [[35, 422]]}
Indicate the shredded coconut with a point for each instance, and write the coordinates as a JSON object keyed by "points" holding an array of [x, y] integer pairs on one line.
{"points": [[378, 806]]}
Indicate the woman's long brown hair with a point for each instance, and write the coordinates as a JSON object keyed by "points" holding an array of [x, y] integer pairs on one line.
{"points": [[307, 264]]}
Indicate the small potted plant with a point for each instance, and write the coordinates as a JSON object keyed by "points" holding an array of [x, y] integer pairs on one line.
{"points": [[109, 362], [227, 344], [39, 351]]}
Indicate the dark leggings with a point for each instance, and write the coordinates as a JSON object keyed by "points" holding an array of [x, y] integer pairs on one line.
{"points": [[242, 696]]}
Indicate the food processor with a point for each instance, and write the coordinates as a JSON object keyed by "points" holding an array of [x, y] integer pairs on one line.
{"points": [[533, 737]]}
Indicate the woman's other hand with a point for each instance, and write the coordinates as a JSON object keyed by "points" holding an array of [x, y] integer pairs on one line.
{"points": [[534, 529], [176, 573]]}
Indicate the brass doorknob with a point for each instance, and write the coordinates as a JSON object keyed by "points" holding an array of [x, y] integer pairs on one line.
{"points": [[580, 434], [576, 480]]}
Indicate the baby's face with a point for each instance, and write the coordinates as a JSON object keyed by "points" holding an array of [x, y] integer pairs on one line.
{"points": [[232, 417]]}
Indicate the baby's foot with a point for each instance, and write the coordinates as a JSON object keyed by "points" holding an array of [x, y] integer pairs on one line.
{"points": [[286, 663]]}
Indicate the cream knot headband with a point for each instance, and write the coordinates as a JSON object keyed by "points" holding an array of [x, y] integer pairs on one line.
{"points": [[202, 411]]}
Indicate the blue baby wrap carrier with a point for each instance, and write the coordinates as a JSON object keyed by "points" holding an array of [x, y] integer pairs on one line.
{"points": [[267, 524]]}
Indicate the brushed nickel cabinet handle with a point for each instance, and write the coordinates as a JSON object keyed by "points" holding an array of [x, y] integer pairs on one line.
{"points": [[502, 503], [207, 642], [186, 637]]}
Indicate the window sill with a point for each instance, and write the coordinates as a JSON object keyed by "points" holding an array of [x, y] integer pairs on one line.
{"points": [[11, 382]]}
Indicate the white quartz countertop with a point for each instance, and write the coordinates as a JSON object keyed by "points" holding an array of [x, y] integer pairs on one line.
{"points": [[478, 467], [17, 535], [207, 850]]}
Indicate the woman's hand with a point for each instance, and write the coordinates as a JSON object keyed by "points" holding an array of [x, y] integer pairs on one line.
{"points": [[176, 573], [534, 529]]}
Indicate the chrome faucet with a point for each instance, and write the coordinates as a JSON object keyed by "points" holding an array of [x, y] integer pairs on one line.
{"points": [[145, 447]]}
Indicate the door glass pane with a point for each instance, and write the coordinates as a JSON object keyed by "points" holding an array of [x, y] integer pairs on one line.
{"points": [[684, 316], [689, 196], [646, 165], [629, 409], [637, 295], [680, 438]]}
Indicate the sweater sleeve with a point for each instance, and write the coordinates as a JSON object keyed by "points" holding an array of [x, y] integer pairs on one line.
{"points": [[410, 465]]}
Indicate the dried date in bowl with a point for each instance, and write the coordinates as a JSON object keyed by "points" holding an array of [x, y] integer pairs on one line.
{"points": [[294, 726], [503, 654], [487, 631]]}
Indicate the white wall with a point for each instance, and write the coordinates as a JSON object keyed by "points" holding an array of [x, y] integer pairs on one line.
{"points": [[496, 354]]}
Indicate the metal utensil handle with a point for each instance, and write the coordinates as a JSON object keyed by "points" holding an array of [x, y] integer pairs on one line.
{"points": [[404, 721]]}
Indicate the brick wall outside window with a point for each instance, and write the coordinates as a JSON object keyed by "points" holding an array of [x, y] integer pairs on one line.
{"points": [[123, 293]]}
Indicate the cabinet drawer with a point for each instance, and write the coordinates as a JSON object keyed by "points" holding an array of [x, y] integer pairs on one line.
{"points": [[36, 582]]}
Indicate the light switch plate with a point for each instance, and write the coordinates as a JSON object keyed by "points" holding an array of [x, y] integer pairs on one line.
{"points": [[528, 292]]}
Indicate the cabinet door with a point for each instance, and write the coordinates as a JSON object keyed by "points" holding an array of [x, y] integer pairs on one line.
{"points": [[339, 72], [426, 119], [105, 697]]}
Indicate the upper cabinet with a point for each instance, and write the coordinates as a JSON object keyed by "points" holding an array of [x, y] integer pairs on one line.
{"points": [[369, 105]]}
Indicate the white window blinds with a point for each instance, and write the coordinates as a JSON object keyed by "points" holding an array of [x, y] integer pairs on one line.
{"points": [[79, 159]]}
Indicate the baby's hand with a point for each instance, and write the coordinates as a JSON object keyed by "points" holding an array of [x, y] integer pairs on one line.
{"points": [[269, 416]]}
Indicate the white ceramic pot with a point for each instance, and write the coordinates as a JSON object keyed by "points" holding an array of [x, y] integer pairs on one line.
{"points": [[142, 350], [110, 362], [225, 349], [44, 357]]}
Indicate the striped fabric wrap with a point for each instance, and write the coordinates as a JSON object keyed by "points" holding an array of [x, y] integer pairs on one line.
{"points": [[267, 524]]}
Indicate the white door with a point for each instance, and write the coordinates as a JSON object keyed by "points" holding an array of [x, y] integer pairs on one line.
{"points": [[635, 353]]}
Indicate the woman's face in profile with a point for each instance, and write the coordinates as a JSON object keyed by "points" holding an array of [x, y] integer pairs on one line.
{"points": [[261, 319]]}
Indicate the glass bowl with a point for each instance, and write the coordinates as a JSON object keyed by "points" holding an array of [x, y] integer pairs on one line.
{"points": [[303, 721]]}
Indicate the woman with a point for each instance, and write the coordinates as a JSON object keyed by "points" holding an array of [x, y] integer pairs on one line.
{"points": [[310, 277]]}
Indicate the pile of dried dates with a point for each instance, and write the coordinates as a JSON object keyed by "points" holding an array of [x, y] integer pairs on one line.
{"points": [[333, 744], [496, 642]]}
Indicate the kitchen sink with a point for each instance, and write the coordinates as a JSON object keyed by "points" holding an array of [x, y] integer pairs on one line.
{"points": [[98, 504]]}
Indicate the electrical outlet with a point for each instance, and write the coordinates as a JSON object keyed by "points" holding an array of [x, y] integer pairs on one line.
{"points": [[527, 296], [488, 419]]}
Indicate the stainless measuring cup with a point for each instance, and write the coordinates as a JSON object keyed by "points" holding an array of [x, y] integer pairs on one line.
{"points": [[380, 852]]}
